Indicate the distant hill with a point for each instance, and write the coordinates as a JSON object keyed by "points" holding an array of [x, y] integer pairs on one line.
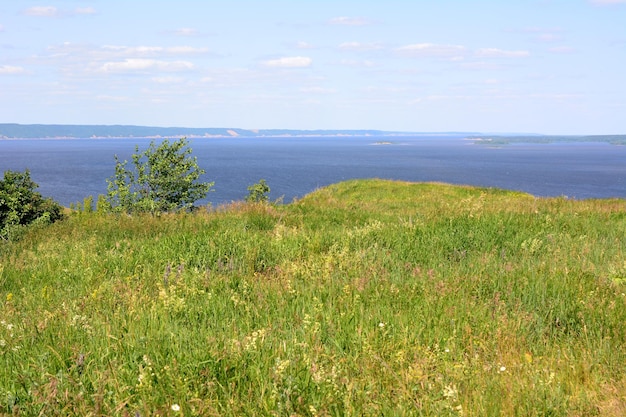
{"points": [[499, 140], [42, 131], [35, 131]]}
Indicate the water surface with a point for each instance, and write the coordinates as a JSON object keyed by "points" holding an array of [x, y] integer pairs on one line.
{"points": [[69, 170]]}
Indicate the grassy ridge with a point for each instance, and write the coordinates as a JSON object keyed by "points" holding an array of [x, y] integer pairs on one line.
{"points": [[367, 297]]}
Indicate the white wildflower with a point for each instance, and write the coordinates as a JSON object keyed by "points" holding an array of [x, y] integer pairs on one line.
{"points": [[451, 392]]}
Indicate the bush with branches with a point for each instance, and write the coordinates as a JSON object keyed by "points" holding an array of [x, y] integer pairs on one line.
{"points": [[163, 178], [21, 205], [258, 193]]}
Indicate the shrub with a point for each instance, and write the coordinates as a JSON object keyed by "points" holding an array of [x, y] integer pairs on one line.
{"points": [[258, 193], [21, 205], [164, 178]]}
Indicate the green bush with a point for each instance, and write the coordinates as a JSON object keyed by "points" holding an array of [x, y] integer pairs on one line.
{"points": [[165, 178], [258, 193], [20, 205]]}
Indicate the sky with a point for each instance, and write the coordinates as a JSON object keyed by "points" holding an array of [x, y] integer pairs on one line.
{"points": [[519, 66]]}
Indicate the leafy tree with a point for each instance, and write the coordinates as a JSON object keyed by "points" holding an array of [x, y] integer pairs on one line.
{"points": [[102, 205], [258, 193], [21, 205], [164, 178], [85, 207]]}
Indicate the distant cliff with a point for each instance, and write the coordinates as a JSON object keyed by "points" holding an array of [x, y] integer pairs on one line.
{"points": [[20, 131]]}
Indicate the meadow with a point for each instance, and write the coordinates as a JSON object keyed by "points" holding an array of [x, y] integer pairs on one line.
{"points": [[363, 298]]}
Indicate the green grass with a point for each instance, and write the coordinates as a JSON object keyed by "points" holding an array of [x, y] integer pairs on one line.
{"points": [[366, 297]]}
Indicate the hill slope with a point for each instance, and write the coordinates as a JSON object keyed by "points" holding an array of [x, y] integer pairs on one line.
{"points": [[36, 131], [363, 298]]}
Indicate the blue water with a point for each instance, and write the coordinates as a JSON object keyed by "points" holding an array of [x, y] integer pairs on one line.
{"points": [[69, 170]]}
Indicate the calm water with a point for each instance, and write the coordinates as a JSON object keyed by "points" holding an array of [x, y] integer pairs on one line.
{"points": [[69, 170]]}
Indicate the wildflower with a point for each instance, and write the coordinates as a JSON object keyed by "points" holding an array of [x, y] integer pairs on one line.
{"points": [[175, 407], [381, 325], [281, 366], [502, 369], [451, 392], [447, 350]]}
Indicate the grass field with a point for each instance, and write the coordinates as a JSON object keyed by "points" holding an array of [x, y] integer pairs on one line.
{"points": [[364, 298]]}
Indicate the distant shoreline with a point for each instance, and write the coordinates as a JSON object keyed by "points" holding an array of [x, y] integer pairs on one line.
{"points": [[43, 131], [14, 131], [223, 137], [487, 140]]}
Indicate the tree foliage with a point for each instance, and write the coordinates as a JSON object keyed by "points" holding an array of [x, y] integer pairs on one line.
{"points": [[258, 193], [21, 205], [163, 178]]}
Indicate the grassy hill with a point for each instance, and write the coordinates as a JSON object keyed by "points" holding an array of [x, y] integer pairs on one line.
{"points": [[367, 297]]}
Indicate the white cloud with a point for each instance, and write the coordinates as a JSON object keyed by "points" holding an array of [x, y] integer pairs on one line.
{"points": [[11, 70], [317, 90], [562, 50], [146, 65], [420, 50], [186, 32], [500, 53], [72, 59], [357, 63], [548, 37], [304, 45], [608, 2], [168, 80], [545, 35], [85, 11], [480, 66], [556, 96], [153, 50], [349, 21], [289, 62], [127, 50], [185, 50], [358, 46], [51, 11], [45, 11], [115, 99]]}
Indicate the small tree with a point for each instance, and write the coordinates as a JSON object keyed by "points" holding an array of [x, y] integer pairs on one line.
{"points": [[164, 178], [258, 193], [102, 205], [21, 205]]}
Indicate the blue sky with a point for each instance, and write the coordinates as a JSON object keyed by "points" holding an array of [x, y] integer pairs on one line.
{"points": [[545, 66]]}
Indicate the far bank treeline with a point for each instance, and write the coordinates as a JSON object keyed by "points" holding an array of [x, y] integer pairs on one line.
{"points": [[162, 178], [542, 139], [44, 131]]}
